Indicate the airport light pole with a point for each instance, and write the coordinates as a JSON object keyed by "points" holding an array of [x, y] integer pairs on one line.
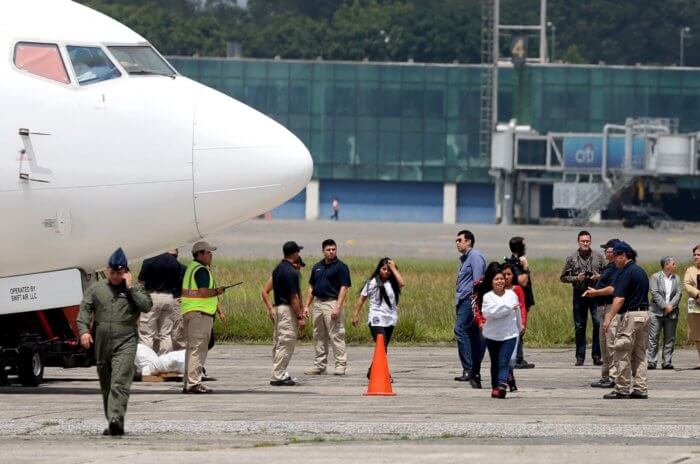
{"points": [[685, 34], [553, 27]]}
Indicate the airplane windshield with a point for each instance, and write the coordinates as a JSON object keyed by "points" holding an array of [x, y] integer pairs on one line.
{"points": [[141, 60], [91, 65]]}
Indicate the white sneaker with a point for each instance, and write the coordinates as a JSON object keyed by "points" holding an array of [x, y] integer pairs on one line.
{"points": [[315, 371]]}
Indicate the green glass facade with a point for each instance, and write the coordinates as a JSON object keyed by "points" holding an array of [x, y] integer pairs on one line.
{"points": [[417, 122]]}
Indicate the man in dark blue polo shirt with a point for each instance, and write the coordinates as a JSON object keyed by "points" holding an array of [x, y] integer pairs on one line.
{"points": [[161, 329], [603, 294], [289, 316], [631, 302], [328, 286]]}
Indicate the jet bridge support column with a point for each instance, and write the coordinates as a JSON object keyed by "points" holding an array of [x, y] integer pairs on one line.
{"points": [[312, 200]]}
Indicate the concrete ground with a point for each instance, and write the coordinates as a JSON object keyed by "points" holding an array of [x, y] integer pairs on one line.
{"points": [[554, 417], [259, 238]]}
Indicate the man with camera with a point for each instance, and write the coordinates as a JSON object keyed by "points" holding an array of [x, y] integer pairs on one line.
{"points": [[582, 270], [523, 278]]}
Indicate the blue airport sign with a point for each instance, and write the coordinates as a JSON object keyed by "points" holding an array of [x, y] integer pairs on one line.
{"points": [[587, 152]]}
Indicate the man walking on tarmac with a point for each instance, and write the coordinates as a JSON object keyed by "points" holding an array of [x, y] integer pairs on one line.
{"points": [[113, 305], [199, 304]]}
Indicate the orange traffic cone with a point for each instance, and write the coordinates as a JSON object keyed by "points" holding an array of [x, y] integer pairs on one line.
{"points": [[379, 382]]}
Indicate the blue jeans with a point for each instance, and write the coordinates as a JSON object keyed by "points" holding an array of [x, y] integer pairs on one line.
{"points": [[500, 352], [583, 306], [470, 343]]}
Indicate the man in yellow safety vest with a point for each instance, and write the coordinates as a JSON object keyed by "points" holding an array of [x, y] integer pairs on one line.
{"points": [[199, 305]]}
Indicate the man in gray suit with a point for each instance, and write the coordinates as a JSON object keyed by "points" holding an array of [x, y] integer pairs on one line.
{"points": [[665, 295]]}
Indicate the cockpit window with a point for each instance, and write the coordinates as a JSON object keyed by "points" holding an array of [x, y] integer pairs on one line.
{"points": [[141, 60], [91, 65], [41, 59]]}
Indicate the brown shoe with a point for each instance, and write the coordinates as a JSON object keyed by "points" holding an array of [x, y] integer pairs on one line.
{"points": [[197, 389]]}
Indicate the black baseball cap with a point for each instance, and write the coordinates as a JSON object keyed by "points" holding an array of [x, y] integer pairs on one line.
{"points": [[291, 248], [622, 247], [610, 243]]}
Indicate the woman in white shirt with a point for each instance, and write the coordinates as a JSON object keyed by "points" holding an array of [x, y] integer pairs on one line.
{"points": [[383, 290], [499, 308]]}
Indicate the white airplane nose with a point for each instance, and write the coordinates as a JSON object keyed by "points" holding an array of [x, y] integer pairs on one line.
{"points": [[244, 163]]}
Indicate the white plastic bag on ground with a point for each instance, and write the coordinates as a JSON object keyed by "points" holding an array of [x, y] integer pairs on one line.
{"points": [[173, 361], [146, 360]]}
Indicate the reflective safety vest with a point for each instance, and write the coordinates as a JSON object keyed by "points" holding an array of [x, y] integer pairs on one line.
{"points": [[190, 300]]}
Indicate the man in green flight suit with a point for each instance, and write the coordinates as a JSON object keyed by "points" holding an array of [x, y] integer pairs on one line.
{"points": [[114, 305]]}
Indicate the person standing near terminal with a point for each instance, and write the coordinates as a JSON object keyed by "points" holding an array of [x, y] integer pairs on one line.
{"points": [[287, 312], [470, 345], [383, 290], [631, 303], [162, 278], [691, 283], [582, 270], [328, 287], [602, 293], [335, 207], [523, 278], [666, 292], [112, 307], [199, 305]]}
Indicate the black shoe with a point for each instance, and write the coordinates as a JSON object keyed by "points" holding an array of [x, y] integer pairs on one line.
{"points": [[511, 384], [602, 383], [475, 382], [464, 377], [105, 432], [615, 395], [522, 364], [651, 366], [637, 395], [579, 362], [116, 426], [597, 361], [288, 382], [667, 366]]}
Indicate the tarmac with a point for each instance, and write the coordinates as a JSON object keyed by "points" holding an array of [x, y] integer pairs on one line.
{"points": [[264, 239], [555, 415]]}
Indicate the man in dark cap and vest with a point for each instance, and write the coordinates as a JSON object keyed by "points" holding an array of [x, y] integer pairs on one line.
{"points": [[113, 307], [199, 304]]}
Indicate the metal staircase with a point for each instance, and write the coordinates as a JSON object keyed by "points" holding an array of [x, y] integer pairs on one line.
{"points": [[600, 198]]}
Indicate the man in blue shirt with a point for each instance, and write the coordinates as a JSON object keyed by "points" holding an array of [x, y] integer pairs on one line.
{"points": [[631, 302], [328, 287], [470, 345]]}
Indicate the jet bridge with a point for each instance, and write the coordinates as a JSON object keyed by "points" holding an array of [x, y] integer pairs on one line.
{"points": [[587, 171]]}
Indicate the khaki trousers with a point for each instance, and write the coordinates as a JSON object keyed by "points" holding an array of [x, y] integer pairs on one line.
{"points": [[197, 331], [607, 344], [327, 329], [630, 354], [284, 340], [157, 328]]}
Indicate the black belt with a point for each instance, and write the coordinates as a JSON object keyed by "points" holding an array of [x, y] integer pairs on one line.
{"points": [[326, 299], [632, 310]]}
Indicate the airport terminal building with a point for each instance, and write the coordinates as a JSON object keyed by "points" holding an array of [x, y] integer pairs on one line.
{"points": [[400, 141]]}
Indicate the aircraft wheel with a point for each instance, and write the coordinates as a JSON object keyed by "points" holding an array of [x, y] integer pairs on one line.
{"points": [[30, 368]]}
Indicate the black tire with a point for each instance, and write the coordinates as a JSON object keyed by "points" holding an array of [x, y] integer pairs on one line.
{"points": [[30, 368]]}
